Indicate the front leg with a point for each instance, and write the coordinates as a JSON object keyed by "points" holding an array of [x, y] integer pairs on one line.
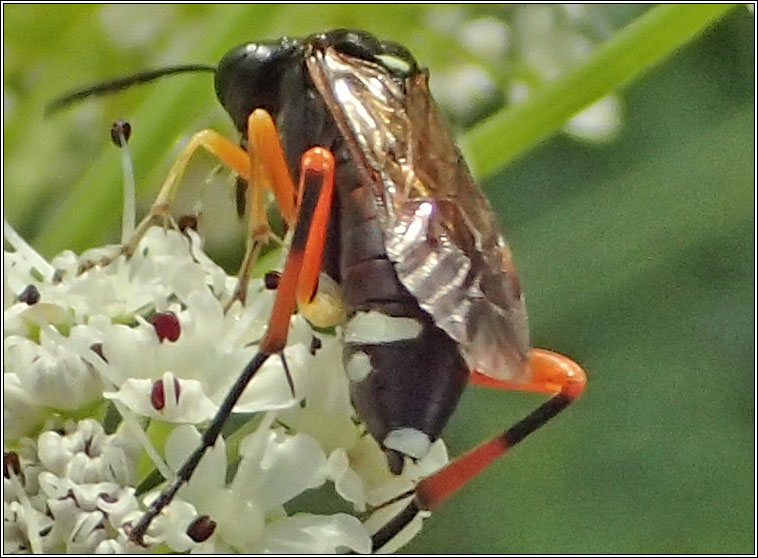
{"points": [[230, 154]]}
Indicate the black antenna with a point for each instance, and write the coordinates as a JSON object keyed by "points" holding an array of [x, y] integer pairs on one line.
{"points": [[118, 84]]}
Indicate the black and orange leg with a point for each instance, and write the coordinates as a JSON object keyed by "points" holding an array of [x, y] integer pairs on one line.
{"points": [[314, 206], [549, 373]]}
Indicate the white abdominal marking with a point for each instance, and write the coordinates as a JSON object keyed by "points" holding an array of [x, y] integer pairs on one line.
{"points": [[358, 367], [408, 441], [374, 328]]}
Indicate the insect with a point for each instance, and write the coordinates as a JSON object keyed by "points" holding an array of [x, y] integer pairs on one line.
{"points": [[391, 238]]}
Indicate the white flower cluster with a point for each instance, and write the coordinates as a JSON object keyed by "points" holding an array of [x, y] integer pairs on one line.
{"points": [[110, 373], [508, 57]]}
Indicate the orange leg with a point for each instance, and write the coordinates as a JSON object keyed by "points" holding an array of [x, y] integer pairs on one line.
{"points": [[262, 167], [315, 195], [269, 168], [230, 154], [268, 171], [549, 373]]}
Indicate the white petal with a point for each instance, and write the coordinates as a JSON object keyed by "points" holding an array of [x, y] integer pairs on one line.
{"points": [[394, 487], [24, 263], [193, 405], [53, 486], [65, 511], [210, 475], [53, 452], [347, 482], [269, 389], [29, 522], [87, 533], [328, 388], [216, 277], [289, 466], [22, 415], [320, 380], [125, 503], [117, 466], [207, 311], [131, 351], [313, 534], [185, 278], [110, 546], [170, 527], [431, 463], [369, 461], [58, 377], [238, 522]]}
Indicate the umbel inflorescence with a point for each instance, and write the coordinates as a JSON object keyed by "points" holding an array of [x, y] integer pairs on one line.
{"points": [[112, 371]]}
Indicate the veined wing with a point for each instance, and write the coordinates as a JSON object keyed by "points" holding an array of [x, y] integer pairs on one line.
{"points": [[439, 230]]}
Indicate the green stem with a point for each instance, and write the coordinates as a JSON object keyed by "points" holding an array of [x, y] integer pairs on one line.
{"points": [[648, 40]]}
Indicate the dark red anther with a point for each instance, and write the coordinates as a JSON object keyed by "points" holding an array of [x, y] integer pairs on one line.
{"points": [[88, 447], [69, 496], [107, 498], [120, 132], [201, 528], [166, 325], [11, 462], [271, 280], [97, 348], [315, 345], [158, 394], [187, 222], [30, 295]]}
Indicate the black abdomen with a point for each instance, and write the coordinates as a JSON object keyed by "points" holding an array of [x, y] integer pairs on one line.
{"points": [[406, 374], [400, 381]]}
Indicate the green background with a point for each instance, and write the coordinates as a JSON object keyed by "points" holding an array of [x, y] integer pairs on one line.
{"points": [[637, 258]]}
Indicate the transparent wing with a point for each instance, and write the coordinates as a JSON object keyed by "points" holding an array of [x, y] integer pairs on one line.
{"points": [[439, 229]]}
